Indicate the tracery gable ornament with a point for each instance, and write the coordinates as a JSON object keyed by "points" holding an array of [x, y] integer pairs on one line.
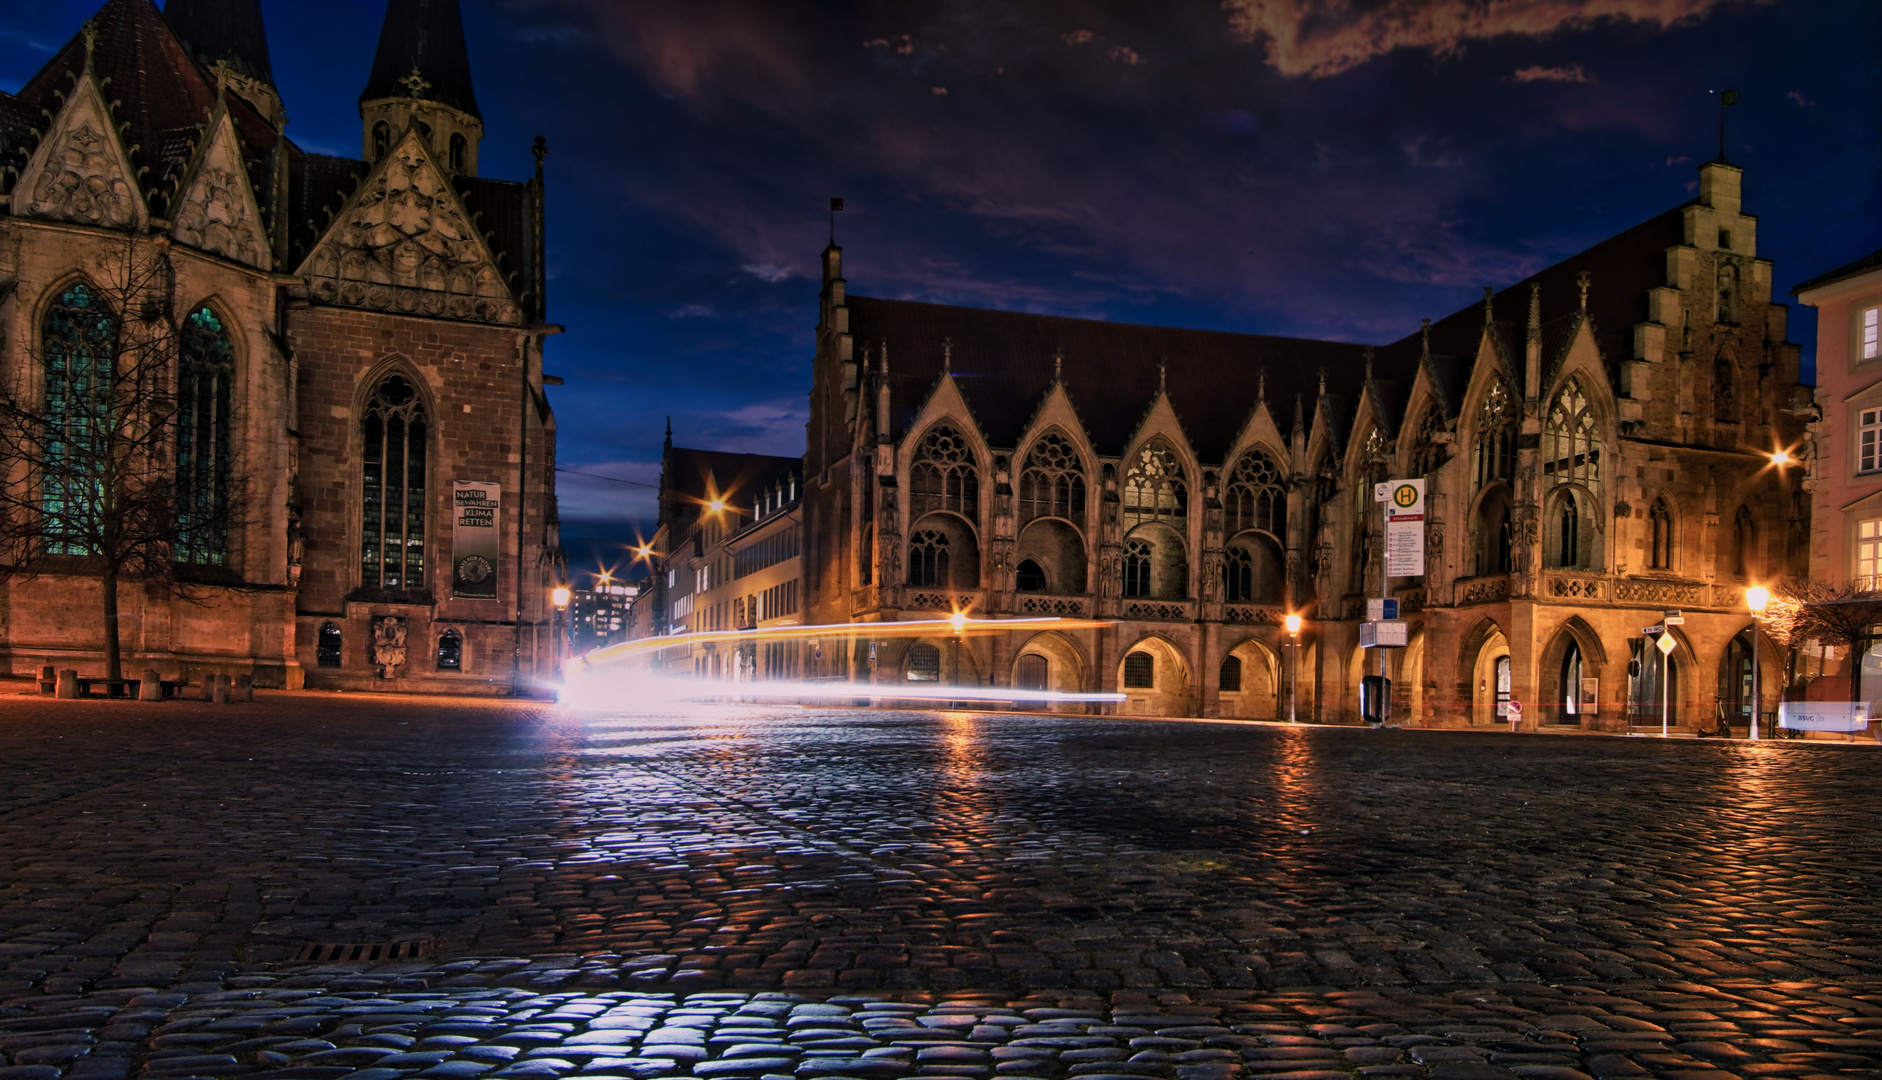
{"points": [[80, 171], [218, 212], [404, 243]]}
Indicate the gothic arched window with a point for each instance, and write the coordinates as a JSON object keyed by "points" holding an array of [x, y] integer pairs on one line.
{"points": [[1136, 568], [392, 522], [1256, 497], [1238, 572], [459, 152], [1030, 577], [205, 369], [79, 343], [1229, 678], [1660, 542], [1053, 482], [327, 645], [1155, 488], [450, 651], [1497, 428], [1571, 469], [928, 558], [943, 476], [381, 139], [1571, 448]]}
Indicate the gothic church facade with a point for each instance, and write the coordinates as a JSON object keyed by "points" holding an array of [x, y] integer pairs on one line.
{"points": [[361, 360], [1596, 442]]}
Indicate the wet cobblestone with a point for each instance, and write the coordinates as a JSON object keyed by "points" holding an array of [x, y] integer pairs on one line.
{"points": [[740, 893]]}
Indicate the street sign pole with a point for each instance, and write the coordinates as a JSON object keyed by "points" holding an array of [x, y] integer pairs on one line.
{"points": [[1665, 700]]}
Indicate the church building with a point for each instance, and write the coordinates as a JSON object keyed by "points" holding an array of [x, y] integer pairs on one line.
{"points": [[363, 447], [1601, 443]]}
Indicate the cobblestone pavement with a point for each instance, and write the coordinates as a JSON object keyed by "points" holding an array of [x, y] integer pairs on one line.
{"points": [[745, 893]]}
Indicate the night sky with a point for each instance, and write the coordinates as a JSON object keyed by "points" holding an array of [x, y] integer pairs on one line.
{"points": [[1324, 168]]}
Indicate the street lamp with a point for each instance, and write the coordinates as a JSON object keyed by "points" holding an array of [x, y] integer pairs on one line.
{"points": [[1293, 666], [559, 596], [1756, 598]]}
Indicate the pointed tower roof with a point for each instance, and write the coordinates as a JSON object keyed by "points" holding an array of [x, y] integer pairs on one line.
{"points": [[425, 37], [223, 31]]}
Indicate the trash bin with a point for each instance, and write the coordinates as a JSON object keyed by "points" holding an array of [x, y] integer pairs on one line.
{"points": [[1375, 699]]}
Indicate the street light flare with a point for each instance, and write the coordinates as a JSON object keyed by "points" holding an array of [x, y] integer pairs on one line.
{"points": [[1293, 624], [1756, 598]]}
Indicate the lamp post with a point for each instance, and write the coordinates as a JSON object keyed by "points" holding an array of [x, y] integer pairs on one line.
{"points": [[1293, 666], [558, 622], [1756, 598]]}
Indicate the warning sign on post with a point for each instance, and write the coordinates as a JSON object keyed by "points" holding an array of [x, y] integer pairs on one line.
{"points": [[1404, 528]]}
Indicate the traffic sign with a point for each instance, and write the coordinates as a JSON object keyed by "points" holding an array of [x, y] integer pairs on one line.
{"points": [[1651, 631], [1674, 618], [1404, 526], [1666, 644]]}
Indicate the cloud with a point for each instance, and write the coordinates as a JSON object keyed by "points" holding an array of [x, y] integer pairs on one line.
{"points": [[771, 273], [1798, 99], [1318, 38], [694, 311], [1124, 55], [591, 498], [1537, 73], [1078, 37]]}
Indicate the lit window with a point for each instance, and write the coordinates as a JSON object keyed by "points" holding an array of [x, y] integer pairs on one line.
{"points": [[1868, 551], [924, 663], [1871, 333], [1868, 433]]}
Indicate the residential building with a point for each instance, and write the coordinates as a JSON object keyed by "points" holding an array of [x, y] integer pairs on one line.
{"points": [[1845, 450]]}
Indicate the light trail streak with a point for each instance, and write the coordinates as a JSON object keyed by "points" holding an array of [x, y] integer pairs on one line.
{"points": [[632, 690], [953, 624]]}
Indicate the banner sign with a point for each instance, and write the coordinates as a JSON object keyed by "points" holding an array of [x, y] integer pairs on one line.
{"points": [[1823, 715], [474, 539], [1404, 528]]}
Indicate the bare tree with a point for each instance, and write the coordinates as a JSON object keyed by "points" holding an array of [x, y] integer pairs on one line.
{"points": [[115, 440], [1838, 613]]}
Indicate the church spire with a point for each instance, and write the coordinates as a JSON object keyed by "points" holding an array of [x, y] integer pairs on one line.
{"points": [[421, 77], [227, 37]]}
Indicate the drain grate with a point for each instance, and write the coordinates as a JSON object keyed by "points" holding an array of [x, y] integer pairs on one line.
{"points": [[360, 951]]}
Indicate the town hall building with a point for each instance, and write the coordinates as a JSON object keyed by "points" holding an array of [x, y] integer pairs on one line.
{"points": [[1601, 443], [364, 448]]}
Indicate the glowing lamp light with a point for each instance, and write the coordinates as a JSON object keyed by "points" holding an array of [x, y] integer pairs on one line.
{"points": [[1780, 457], [560, 596], [1293, 624], [1756, 598], [717, 506], [959, 619]]}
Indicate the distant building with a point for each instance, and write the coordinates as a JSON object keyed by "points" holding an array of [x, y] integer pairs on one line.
{"points": [[1595, 442], [726, 562], [361, 363], [598, 614], [1846, 469]]}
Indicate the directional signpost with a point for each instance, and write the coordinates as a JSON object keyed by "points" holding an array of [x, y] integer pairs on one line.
{"points": [[1663, 641], [1404, 557]]}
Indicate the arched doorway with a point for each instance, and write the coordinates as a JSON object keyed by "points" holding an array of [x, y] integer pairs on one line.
{"points": [[1491, 680], [1735, 682], [1568, 686], [1051, 661], [1657, 685]]}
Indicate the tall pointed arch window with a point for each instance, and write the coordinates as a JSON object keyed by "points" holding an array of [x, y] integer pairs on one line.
{"points": [[78, 338], [944, 476], [1154, 488], [1660, 536], [1136, 568], [205, 369], [1571, 470], [460, 151], [1497, 428], [1571, 447], [393, 490], [928, 558], [1256, 497], [381, 139], [1053, 482]]}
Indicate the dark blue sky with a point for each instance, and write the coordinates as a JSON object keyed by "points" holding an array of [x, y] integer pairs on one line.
{"points": [[1323, 168]]}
